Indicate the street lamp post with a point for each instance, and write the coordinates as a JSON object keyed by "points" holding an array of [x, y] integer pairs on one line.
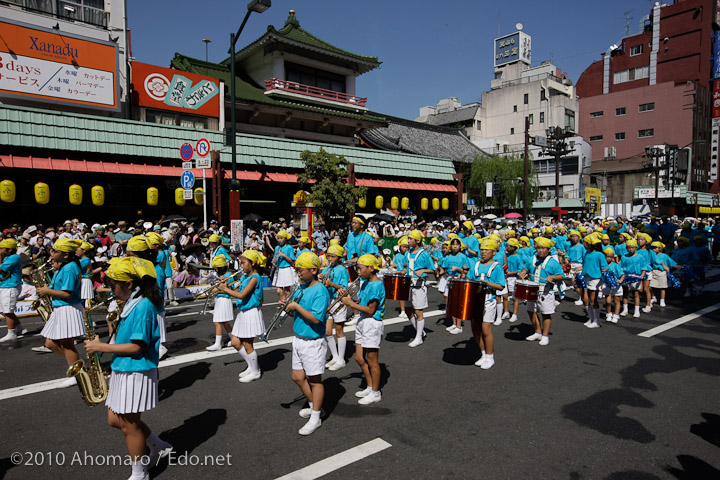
{"points": [[258, 6], [207, 41]]}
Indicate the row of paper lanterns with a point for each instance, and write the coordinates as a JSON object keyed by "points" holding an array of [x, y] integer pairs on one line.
{"points": [[97, 194], [404, 203], [712, 210]]}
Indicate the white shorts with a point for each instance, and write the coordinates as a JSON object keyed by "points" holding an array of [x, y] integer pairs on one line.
{"points": [[340, 316], [284, 277], [169, 289], [249, 323], [442, 284], [510, 284], [490, 312], [86, 289], [369, 332], [418, 298], [309, 355], [633, 287], [223, 310], [659, 279], [161, 326], [648, 276], [545, 304], [612, 292], [8, 298], [575, 268], [592, 283], [67, 321], [132, 392]]}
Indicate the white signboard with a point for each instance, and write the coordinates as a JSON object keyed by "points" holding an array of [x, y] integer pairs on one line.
{"points": [[714, 141], [187, 165], [650, 193], [187, 194], [203, 163], [488, 189], [237, 235]]}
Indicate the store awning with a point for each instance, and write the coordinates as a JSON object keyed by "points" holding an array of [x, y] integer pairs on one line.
{"points": [[400, 185]]}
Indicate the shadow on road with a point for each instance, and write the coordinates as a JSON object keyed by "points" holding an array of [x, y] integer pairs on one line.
{"points": [[183, 378]]}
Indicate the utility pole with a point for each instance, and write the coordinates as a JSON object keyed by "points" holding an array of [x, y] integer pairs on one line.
{"points": [[525, 169], [557, 147], [654, 154]]}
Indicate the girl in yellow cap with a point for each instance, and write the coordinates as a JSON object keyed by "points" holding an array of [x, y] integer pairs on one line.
{"points": [[419, 266], [217, 248], [336, 277], [633, 264], [369, 331], [644, 249], [84, 253], [309, 307], [133, 384], [66, 321], [283, 258], [593, 266], [223, 309], [10, 287], [249, 323], [576, 256], [400, 263], [303, 245], [612, 294], [455, 264], [661, 266]]}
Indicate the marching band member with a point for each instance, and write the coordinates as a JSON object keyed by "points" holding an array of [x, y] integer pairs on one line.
{"points": [[369, 330], [400, 264], [10, 287], [546, 271], [661, 267], [645, 250], [592, 268], [283, 258], [455, 264], [133, 384], [490, 272], [309, 306], [217, 248], [621, 247], [419, 265], [633, 264], [499, 257], [249, 322], [87, 292], [471, 242], [515, 264], [613, 295], [575, 254], [66, 321], [223, 309], [359, 242], [441, 271], [303, 245], [335, 277]]}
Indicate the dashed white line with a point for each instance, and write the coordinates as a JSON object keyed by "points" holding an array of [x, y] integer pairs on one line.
{"points": [[679, 321]]}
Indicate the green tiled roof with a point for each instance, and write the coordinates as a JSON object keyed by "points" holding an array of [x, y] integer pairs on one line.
{"points": [[249, 93], [69, 132]]}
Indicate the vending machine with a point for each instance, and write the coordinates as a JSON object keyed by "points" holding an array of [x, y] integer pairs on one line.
{"points": [[302, 219]]}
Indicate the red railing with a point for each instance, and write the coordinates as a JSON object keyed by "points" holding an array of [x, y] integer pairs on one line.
{"points": [[292, 87]]}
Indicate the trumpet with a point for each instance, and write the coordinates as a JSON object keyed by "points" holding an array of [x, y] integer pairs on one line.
{"points": [[351, 290], [215, 287], [281, 315]]}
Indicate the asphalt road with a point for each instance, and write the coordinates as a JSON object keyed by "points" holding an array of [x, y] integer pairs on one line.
{"points": [[593, 404]]}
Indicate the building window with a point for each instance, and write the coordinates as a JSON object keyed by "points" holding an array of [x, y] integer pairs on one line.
{"points": [[570, 120], [619, 136], [525, 99], [314, 77], [647, 132], [514, 108], [596, 114], [635, 50], [170, 118], [478, 125], [631, 74], [543, 95], [512, 131], [542, 117], [596, 138], [620, 111], [530, 117], [646, 107]]}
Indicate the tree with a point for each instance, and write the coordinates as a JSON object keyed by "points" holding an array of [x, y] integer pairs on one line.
{"points": [[511, 194], [326, 175]]}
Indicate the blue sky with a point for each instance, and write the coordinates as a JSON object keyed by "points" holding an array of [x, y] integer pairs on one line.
{"points": [[429, 49]]}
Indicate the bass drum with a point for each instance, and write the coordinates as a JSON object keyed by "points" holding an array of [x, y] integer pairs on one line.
{"points": [[466, 299], [352, 271], [397, 286]]}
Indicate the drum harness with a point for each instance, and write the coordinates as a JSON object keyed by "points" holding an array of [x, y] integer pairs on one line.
{"points": [[484, 276], [418, 282], [538, 269]]}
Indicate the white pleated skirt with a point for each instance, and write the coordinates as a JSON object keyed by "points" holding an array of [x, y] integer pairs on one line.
{"points": [[249, 324], [284, 277], [132, 392], [161, 326], [65, 322], [223, 311], [86, 289]]}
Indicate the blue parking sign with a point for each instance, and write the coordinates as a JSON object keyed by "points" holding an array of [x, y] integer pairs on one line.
{"points": [[187, 179]]}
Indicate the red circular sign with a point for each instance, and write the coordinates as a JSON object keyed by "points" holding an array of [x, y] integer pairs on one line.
{"points": [[186, 151]]}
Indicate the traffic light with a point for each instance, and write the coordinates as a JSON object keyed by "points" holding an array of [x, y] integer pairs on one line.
{"points": [[227, 137]]}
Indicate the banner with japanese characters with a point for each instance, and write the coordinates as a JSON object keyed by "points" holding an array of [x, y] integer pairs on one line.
{"points": [[56, 67]]}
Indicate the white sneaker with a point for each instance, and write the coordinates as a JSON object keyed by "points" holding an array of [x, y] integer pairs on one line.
{"points": [[624, 313], [456, 331], [480, 361], [42, 349], [653, 300], [214, 347], [158, 454], [579, 302], [9, 336], [557, 303], [20, 329], [140, 476], [68, 382], [533, 337], [330, 363], [162, 351], [415, 343], [637, 313], [615, 318], [451, 328], [662, 303], [403, 315], [513, 318], [310, 427], [488, 363], [592, 325], [338, 366], [245, 373], [364, 393], [251, 377], [306, 412], [369, 399], [498, 322], [587, 323], [505, 315], [647, 309], [544, 341]]}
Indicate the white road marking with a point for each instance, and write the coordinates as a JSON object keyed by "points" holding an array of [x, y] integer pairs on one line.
{"points": [[336, 462], [679, 321], [182, 359]]}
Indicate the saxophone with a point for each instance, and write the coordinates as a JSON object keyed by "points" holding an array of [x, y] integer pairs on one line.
{"points": [[91, 378], [43, 305]]}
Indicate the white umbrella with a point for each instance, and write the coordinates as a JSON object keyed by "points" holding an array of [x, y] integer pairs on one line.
{"points": [[489, 216]]}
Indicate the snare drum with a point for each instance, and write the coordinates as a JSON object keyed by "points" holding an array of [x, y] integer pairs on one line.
{"points": [[397, 286], [466, 299], [527, 290]]}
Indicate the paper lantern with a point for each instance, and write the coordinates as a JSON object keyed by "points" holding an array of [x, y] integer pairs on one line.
{"points": [[75, 192], [362, 202], [97, 193], [405, 203], [445, 203], [394, 203], [436, 204], [179, 198], [424, 204], [7, 191], [152, 196], [379, 202], [42, 193], [199, 196]]}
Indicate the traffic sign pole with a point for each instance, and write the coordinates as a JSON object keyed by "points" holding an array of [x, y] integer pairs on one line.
{"points": [[204, 203]]}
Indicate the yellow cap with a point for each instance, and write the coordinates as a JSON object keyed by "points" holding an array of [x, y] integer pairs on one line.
{"points": [[359, 220], [307, 260], [416, 235], [534, 230], [10, 243], [434, 240], [259, 259], [593, 239], [369, 260], [525, 239], [336, 250], [609, 251], [632, 243], [469, 225], [626, 235], [488, 243], [452, 235], [684, 239], [214, 238], [283, 234], [513, 242], [447, 243], [544, 242], [66, 245], [304, 239], [137, 244], [657, 244], [548, 230], [647, 237], [218, 261], [605, 236], [582, 229], [403, 240], [130, 268], [154, 238], [86, 246], [574, 232], [335, 241], [510, 233]]}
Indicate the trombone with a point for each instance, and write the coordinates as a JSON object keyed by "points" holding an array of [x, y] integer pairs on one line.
{"points": [[213, 290], [281, 315], [351, 289]]}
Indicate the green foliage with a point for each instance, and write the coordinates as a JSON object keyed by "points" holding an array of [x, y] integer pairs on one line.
{"points": [[485, 169], [326, 175]]}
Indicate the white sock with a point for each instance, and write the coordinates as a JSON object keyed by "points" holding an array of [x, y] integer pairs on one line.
{"points": [[420, 327], [332, 346], [596, 315], [637, 309], [341, 345], [252, 360], [544, 337], [413, 320], [490, 356], [482, 353], [138, 469], [154, 442], [218, 339], [499, 309], [315, 416], [244, 355]]}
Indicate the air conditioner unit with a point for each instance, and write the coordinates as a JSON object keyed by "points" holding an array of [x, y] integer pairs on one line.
{"points": [[609, 152], [542, 195], [567, 195]]}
